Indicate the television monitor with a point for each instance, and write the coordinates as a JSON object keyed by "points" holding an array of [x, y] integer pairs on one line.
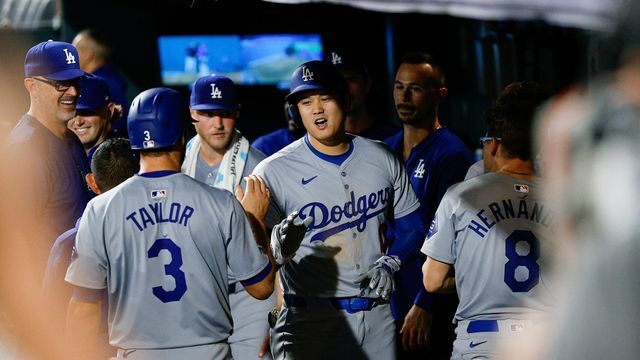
{"points": [[262, 59]]}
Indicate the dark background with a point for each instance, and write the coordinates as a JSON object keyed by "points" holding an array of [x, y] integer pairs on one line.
{"points": [[480, 57]]}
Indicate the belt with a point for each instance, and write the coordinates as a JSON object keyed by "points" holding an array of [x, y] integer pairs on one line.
{"points": [[476, 326], [350, 304]]}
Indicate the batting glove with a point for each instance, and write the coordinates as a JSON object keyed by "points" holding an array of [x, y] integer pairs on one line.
{"points": [[287, 236], [381, 275]]}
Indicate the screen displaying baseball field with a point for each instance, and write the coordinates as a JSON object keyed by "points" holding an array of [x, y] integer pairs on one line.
{"points": [[262, 59]]}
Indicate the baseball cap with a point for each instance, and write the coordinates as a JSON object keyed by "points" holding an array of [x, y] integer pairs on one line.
{"points": [[214, 92], [54, 60], [94, 94]]}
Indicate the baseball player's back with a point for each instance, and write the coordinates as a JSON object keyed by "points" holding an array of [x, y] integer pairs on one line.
{"points": [[163, 242], [499, 224]]}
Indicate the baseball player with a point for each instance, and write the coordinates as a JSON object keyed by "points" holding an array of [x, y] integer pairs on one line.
{"points": [[434, 158], [336, 288], [491, 229], [112, 163], [221, 157], [161, 243], [95, 114]]}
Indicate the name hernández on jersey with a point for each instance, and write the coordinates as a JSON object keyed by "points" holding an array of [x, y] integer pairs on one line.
{"points": [[154, 214], [362, 209], [505, 209]]}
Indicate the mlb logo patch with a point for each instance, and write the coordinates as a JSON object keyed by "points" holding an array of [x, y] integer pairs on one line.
{"points": [[521, 188], [149, 144], [433, 228], [158, 194]]}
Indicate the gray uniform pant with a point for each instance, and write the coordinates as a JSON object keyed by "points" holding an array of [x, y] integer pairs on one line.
{"points": [[320, 331], [478, 339], [250, 325], [219, 351]]}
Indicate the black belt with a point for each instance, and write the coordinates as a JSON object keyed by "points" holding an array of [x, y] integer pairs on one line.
{"points": [[349, 304]]}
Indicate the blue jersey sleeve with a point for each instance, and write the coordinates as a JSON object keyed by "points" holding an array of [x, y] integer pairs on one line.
{"points": [[410, 232]]}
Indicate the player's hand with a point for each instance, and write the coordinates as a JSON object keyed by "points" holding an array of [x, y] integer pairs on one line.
{"points": [[255, 199], [416, 328], [381, 275], [287, 236]]}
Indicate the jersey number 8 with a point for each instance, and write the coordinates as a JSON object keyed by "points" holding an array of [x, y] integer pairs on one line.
{"points": [[528, 261], [171, 269]]}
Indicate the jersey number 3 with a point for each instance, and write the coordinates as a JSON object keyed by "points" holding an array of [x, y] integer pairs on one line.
{"points": [[171, 269], [517, 260]]}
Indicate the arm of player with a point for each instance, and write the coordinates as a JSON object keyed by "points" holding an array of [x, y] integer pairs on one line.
{"points": [[83, 322], [255, 202], [438, 276]]}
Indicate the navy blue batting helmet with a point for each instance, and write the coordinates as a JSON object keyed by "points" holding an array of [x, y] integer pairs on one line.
{"points": [[315, 75], [156, 119]]}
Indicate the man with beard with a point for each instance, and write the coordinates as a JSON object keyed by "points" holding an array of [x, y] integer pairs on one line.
{"points": [[434, 159]]}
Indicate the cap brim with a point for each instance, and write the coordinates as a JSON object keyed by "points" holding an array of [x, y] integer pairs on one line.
{"points": [[213, 107], [65, 74], [298, 92]]}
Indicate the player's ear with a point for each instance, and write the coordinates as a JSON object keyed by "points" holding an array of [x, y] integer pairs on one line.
{"points": [[91, 181]]}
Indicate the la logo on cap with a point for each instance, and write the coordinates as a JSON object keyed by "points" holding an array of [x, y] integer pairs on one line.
{"points": [[306, 74], [69, 56], [216, 93], [335, 58]]}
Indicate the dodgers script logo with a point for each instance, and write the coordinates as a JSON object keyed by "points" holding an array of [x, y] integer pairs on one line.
{"points": [[306, 74], [358, 211], [215, 92], [69, 57]]}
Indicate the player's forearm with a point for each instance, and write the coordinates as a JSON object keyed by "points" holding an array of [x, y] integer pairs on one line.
{"points": [[83, 321], [438, 277]]}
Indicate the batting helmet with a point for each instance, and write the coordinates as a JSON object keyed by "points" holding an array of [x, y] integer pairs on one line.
{"points": [[315, 75], [156, 119]]}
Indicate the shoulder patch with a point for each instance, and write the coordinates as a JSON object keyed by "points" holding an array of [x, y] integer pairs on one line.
{"points": [[433, 228]]}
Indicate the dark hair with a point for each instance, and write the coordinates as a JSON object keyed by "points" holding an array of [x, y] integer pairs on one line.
{"points": [[512, 117], [416, 58], [101, 41], [113, 162]]}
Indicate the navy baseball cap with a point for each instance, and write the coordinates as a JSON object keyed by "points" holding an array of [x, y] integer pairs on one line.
{"points": [[94, 94], [214, 92], [54, 60], [315, 75]]}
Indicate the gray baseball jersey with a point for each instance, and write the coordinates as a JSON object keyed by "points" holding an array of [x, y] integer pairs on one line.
{"points": [[491, 228], [161, 244], [350, 204]]}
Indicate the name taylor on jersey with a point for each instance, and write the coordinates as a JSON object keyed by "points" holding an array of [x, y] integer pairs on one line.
{"points": [[520, 208], [155, 213]]}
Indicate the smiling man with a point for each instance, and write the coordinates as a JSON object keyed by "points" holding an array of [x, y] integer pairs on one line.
{"points": [[337, 287], [95, 114], [48, 164]]}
